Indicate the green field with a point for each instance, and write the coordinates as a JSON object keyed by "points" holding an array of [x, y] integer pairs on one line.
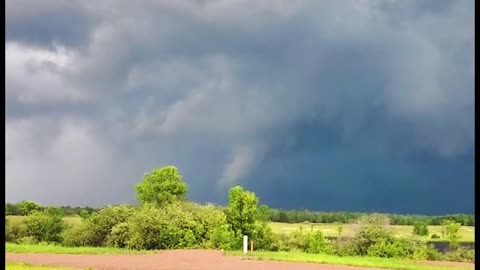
{"points": [[467, 232], [374, 262]]}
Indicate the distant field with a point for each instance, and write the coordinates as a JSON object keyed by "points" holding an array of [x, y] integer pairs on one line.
{"points": [[467, 232]]}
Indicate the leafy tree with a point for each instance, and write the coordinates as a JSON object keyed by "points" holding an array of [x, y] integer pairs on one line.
{"points": [[161, 186], [420, 228], [453, 233], [26, 208], [242, 210]]}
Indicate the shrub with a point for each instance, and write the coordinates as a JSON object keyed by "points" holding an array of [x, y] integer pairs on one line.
{"points": [[28, 240], [75, 236], [162, 228], [370, 235], [345, 247], [45, 226], [433, 254], [100, 224], [14, 232], [262, 236], [118, 236], [460, 254], [434, 236], [316, 243], [420, 228]]}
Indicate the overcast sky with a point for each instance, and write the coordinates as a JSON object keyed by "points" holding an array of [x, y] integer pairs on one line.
{"points": [[322, 104]]}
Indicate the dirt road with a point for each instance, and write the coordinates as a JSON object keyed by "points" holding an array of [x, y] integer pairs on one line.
{"points": [[171, 260]]}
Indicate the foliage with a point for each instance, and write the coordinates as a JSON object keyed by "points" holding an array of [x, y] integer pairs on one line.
{"points": [[242, 211], [161, 186], [316, 243], [453, 233], [26, 207], [100, 224], [45, 226], [119, 235], [75, 236], [460, 255], [420, 228], [371, 234]]}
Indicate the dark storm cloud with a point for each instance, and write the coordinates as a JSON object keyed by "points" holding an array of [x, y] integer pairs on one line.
{"points": [[325, 103]]}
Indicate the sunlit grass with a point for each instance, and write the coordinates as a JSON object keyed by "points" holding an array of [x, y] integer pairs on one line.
{"points": [[374, 262], [21, 248]]}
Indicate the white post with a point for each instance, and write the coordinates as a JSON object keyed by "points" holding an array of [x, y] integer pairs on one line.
{"points": [[245, 244]]}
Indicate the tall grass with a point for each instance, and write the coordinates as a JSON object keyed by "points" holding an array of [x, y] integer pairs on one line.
{"points": [[23, 248]]}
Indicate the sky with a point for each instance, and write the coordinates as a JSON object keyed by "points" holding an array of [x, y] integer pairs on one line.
{"points": [[326, 105]]}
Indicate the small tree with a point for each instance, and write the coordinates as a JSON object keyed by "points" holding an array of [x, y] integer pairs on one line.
{"points": [[26, 208], [242, 210], [161, 186], [420, 228], [340, 230], [453, 233]]}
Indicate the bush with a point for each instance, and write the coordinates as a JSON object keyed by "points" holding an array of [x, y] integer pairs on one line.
{"points": [[370, 235], [118, 236], [162, 228], [420, 228], [460, 254], [28, 240], [316, 243], [262, 236], [345, 247], [14, 232], [75, 236], [433, 254], [100, 224], [45, 226], [434, 236]]}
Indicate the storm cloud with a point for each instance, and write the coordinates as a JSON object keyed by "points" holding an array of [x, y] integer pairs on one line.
{"points": [[328, 105]]}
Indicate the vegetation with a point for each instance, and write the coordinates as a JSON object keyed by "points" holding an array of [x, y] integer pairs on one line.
{"points": [[161, 186], [166, 220], [375, 262], [420, 228], [23, 266], [57, 249]]}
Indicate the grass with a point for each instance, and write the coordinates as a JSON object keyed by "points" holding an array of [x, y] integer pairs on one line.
{"points": [[21, 248], [388, 263], [467, 232], [23, 266]]}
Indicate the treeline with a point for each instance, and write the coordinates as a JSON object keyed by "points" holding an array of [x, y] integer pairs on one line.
{"points": [[24, 208], [298, 216]]}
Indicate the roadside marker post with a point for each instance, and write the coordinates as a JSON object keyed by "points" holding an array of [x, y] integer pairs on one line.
{"points": [[245, 244]]}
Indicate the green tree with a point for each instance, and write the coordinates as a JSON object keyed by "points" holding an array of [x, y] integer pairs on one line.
{"points": [[452, 229], [26, 208], [420, 228], [242, 210], [340, 230], [161, 186]]}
